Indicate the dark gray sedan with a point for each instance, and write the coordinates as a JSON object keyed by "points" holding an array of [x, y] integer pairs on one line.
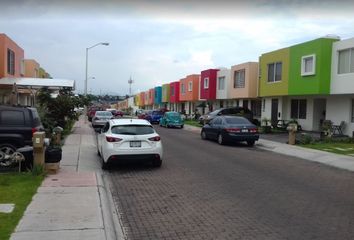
{"points": [[100, 118], [225, 129]]}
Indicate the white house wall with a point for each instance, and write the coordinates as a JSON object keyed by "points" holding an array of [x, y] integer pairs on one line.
{"points": [[341, 83], [339, 108], [222, 94]]}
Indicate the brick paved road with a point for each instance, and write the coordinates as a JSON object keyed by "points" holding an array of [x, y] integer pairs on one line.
{"points": [[207, 191]]}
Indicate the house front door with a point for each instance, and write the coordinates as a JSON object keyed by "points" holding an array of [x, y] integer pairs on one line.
{"points": [[274, 116]]}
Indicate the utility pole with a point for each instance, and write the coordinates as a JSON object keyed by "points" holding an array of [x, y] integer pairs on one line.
{"points": [[130, 81]]}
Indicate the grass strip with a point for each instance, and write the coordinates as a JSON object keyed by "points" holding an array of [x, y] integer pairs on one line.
{"points": [[16, 188]]}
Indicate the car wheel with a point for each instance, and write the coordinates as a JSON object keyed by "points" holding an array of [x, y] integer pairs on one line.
{"points": [[221, 140], [181, 126], [7, 148], [203, 135], [157, 163], [250, 143], [105, 165], [6, 152]]}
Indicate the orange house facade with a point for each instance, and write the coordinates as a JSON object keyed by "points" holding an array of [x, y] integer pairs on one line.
{"points": [[11, 58], [189, 93], [32, 68], [11, 65]]}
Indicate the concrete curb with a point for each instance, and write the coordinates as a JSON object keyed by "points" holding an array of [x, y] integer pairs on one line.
{"points": [[111, 220]]}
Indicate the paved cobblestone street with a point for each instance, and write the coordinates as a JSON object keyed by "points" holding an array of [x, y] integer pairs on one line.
{"points": [[207, 191]]}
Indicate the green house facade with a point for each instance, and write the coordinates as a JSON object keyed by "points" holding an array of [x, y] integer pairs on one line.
{"points": [[310, 68], [295, 82]]}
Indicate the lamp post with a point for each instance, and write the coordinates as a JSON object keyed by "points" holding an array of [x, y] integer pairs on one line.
{"points": [[101, 43], [85, 90]]}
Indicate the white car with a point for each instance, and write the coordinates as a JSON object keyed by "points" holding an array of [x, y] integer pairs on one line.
{"points": [[129, 139]]}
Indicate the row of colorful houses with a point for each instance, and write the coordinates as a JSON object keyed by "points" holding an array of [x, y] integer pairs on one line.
{"points": [[20, 78], [310, 82]]}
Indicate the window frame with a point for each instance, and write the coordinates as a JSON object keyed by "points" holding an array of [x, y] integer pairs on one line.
{"points": [[206, 83], [183, 90], [298, 108], [223, 83], [303, 65], [275, 69], [350, 67], [190, 86], [238, 73], [10, 62]]}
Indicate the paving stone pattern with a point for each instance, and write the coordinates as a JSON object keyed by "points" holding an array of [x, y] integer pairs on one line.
{"points": [[207, 191]]}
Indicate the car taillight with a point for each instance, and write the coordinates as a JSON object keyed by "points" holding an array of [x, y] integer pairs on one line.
{"points": [[254, 130], [155, 139], [34, 130], [233, 130], [113, 139]]}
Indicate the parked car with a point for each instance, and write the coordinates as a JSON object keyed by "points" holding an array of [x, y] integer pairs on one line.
{"points": [[17, 125], [115, 112], [129, 139], [154, 116], [142, 114], [100, 118], [91, 112], [230, 129], [172, 119], [232, 111]]}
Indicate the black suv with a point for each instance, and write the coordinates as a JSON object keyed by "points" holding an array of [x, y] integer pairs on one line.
{"points": [[232, 111], [17, 125]]}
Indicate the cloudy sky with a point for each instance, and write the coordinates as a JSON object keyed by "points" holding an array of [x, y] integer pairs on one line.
{"points": [[161, 41]]}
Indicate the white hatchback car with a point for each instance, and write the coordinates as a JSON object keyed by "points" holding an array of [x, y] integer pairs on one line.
{"points": [[129, 139]]}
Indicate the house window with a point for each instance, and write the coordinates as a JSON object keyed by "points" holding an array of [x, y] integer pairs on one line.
{"points": [[263, 105], [308, 65], [346, 61], [298, 108], [239, 79], [221, 83], [274, 72], [22, 68], [10, 62], [172, 91], [190, 86], [183, 91], [206, 83]]}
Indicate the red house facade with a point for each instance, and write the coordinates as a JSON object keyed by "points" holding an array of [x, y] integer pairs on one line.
{"points": [[174, 92], [208, 84]]}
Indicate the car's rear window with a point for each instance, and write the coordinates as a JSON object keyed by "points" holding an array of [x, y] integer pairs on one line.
{"points": [[36, 119], [157, 113], [132, 129], [237, 121], [107, 114], [12, 118]]}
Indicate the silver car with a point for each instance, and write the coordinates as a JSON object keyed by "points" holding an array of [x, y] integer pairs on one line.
{"points": [[100, 118]]}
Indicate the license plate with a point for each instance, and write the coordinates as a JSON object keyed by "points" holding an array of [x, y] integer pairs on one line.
{"points": [[135, 144], [244, 130]]}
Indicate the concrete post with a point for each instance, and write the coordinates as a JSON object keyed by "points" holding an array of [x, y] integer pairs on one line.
{"points": [[38, 148], [292, 128]]}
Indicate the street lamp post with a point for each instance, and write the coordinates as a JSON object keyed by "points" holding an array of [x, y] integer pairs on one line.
{"points": [[85, 90], [101, 43]]}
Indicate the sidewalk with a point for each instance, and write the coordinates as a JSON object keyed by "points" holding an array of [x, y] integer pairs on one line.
{"points": [[74, 203], [331, 159]]}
